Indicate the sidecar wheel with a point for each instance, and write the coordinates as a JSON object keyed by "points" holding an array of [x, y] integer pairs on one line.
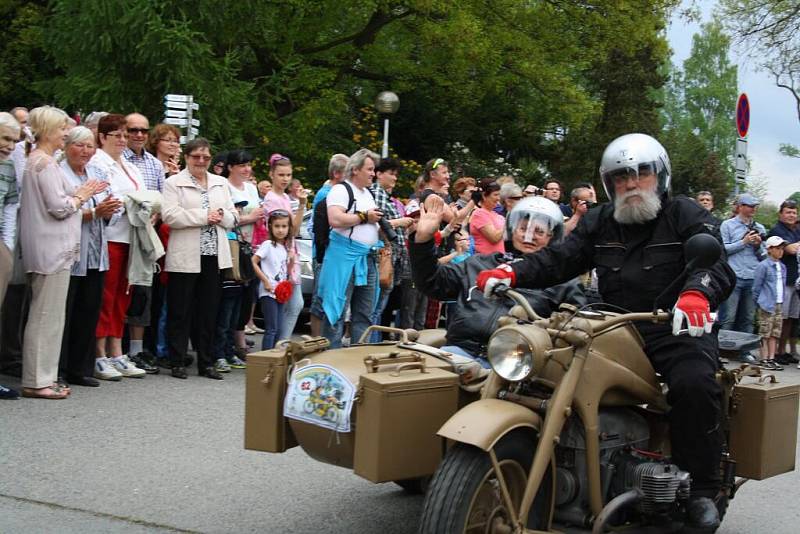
{"points": [[414, 486], [464, 495]]}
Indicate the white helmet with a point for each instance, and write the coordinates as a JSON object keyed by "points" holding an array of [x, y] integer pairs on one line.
{"points": [[625, 156], [545, 215]]}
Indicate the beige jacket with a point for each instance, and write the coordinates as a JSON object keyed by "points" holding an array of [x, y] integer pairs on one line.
{"points": [[181, 210]]}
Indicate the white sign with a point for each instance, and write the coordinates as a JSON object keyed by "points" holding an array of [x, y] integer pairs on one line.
{"points": [[175, 113], [741, 155], [193, 131], [182, 140], [176, 122], [177, 98], [180, 105], [196, 123]]}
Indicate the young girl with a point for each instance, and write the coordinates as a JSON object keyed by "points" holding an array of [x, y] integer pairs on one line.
{"points": [[273, 264]]}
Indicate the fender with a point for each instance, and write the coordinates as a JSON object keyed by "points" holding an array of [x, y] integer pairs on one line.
{"points": [[482, 423]]}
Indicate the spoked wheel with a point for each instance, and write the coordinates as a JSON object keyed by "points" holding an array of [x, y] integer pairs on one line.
{"points": [[465, 494]]}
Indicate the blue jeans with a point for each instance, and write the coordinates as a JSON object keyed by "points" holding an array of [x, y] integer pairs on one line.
{"points": [[455, 349], [739, 310], [362, 304], [227, 317], [161, 345], [383, 300], [273, 315], [291, 311]]}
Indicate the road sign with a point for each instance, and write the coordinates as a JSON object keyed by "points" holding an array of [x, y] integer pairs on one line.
{"points": [[743, 115], [177, 98], [176, 122], [196, 123], [180, 114], [741, 156], [170, 104], [182, 140], [193, 132]]}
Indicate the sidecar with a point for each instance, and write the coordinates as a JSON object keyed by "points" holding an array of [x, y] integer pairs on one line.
{"points": [[373, 408]]}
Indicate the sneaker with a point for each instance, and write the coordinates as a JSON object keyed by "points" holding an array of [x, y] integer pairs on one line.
{"points": [[145, 363], [748, 358], [105, 371], [222, 366], [251, 329], [125, 367], [236, 363], [8, 393]]}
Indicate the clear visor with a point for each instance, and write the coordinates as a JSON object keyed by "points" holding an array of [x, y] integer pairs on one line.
{"points": [[623, 174], [530, 226]]}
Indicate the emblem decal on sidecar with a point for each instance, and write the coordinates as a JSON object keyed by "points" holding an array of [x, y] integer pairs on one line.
{"points": [[320, 395]]}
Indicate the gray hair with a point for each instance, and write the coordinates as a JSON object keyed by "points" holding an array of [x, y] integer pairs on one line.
{"points": [[338, 163], [7, 120], [509, 189], [93, 118], [79, 134], [357, 161], [573, 195]]}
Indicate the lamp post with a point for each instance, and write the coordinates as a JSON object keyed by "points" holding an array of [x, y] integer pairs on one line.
{"points": [[387, 103]]}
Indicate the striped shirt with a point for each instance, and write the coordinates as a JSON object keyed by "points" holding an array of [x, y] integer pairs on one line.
{"points": [[152, 170]]}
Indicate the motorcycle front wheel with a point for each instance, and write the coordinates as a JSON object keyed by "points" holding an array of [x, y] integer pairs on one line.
{"points": [[465, 497]]}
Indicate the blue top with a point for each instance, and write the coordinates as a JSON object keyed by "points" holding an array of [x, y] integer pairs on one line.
{"points": [[343, 257], [742, 258], [765, 284], [790, 261], [319, 197]]}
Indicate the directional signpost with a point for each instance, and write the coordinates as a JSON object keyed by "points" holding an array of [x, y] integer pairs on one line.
{"points": [[178, 112], [742, 125]]}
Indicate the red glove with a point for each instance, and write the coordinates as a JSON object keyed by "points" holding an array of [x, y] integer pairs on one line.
{"points": [[491, 278], [283, 291], [694, 308]]}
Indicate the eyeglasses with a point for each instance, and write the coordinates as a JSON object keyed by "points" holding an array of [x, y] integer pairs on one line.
{"points": [[170, 141], [199, 157], [552, 189], [436, 163], [515, 198], [118, 135], [143, 131]]}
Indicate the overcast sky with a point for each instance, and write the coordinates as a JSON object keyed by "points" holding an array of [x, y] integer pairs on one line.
{"points": [[773, 119]]}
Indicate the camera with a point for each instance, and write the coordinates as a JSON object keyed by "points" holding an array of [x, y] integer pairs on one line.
{"points": [[533, 190], [588, 203], [751, 228], [387, 229]]}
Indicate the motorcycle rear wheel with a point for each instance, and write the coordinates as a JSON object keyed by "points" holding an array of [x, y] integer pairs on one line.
{"points": [[465, 497]]}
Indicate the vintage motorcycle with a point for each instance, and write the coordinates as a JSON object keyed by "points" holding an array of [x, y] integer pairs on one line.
{"points": [[571, 432]]}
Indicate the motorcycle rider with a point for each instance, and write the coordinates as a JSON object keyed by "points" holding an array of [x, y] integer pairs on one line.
{"points": [[636, 244], [533, 223]]}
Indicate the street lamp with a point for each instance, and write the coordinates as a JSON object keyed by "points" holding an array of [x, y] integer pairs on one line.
{"points": [[387, 103]]}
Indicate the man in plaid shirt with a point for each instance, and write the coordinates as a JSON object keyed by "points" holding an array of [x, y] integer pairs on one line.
{"points": [[153, 172], [385, 179]]}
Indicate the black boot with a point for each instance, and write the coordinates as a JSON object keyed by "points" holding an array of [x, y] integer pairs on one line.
{"points": [[702, 514], [210, 372]]}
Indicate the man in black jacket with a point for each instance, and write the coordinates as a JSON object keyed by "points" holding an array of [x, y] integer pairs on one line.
{"points": [[636, 245], [533, 224]]}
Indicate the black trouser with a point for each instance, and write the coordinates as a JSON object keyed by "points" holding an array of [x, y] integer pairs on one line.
{"points": [[14, 319], [246, 307], [157, 295], [689, 365], [84, 298], [192, 302]]}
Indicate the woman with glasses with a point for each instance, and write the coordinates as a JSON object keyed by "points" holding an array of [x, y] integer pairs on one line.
{"points": [[486, 225], [123, 177], [199, 210], [164, 144]]}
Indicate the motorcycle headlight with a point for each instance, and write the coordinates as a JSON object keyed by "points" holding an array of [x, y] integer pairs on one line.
{"points": [[515, 354]]}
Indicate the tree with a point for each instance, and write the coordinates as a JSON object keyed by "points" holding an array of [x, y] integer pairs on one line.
{"points": [[771, 31]]}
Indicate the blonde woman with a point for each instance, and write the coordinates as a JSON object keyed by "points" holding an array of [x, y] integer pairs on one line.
{"points": [[50, 235]]}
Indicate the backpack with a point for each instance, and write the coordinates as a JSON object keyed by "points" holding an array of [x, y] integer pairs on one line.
{"points": [[322, 227]]}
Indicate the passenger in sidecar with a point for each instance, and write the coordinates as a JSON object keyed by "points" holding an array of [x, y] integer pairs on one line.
{"points": [[534, 223]]}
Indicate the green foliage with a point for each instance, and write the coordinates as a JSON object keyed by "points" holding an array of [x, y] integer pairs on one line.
{"points": [[790, 151]]}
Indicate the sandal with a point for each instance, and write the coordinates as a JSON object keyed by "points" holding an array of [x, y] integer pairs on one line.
{"points": [[52, 393]]}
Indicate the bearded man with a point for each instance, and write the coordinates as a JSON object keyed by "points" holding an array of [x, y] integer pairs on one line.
{"points": [[636, 245]]}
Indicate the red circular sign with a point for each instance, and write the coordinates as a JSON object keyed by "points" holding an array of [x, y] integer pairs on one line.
{"points": [[743, 115]]}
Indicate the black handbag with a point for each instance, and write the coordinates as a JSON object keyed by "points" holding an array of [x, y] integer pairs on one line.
{"points": [[242, 258]]}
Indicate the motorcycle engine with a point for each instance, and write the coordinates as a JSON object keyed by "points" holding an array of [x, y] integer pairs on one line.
{"points": [[622, 431]]}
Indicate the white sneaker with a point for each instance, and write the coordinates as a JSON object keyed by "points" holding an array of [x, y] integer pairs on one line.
{"points": [[126, 367], [105, 371]]}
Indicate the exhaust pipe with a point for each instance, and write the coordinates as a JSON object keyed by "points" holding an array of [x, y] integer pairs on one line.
{"points": [[617, 503]]}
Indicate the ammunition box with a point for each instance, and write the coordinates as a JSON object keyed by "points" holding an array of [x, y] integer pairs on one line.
{"points": [[265, 428], [398, 415], [763, 438]]}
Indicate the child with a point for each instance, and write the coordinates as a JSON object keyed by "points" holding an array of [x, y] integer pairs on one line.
{"points": [[768, 286], [273, 262]]}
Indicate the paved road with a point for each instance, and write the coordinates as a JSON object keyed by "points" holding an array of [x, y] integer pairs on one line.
{"points": [[161, 454]]}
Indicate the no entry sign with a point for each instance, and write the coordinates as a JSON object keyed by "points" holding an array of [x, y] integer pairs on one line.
{"points": [[743, 115]]}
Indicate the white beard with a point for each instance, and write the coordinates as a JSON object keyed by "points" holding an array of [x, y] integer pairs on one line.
{"points": [[639, 212]]}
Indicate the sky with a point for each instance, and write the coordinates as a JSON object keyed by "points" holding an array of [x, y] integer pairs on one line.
{"points": [[773, 119]]}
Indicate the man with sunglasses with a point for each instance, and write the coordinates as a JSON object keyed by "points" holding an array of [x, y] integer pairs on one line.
{"points": [[636, 244], [138, 129], [788, 229]]}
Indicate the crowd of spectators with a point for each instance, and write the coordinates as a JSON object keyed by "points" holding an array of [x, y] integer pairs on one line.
{"points": [[105, 201]]}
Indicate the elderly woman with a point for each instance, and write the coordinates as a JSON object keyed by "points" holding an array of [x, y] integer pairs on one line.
{"points": [[510, 194], [123, 177], [164, 144], [9, 201], [50, 234], [86, 283], [199, 210]]}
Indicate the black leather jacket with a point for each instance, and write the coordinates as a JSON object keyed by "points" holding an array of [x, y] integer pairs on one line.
{"points": [[634, 262], [473, 321]]}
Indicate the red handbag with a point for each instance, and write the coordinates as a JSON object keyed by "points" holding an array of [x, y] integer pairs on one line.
{"points": [[283, 291]]}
